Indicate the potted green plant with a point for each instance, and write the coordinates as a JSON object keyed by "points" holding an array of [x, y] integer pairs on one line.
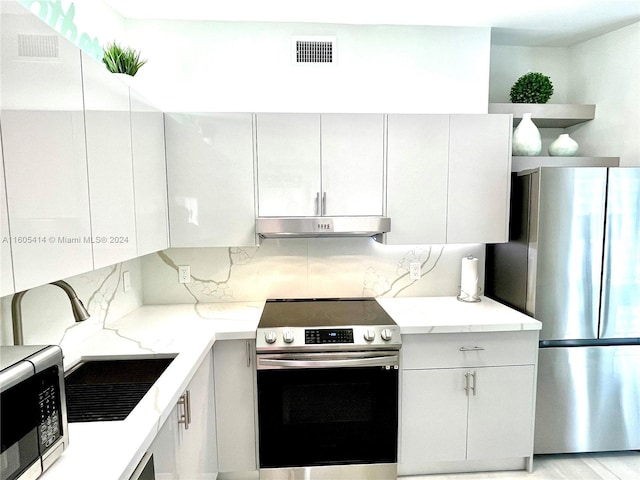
{"points": [[532, 87], [120, 59]]}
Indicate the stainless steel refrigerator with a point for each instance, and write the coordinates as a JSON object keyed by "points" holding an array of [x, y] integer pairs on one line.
{"points": [[573, 262]]}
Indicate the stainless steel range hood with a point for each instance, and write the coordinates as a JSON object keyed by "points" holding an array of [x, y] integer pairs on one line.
{"points": [[315, 227]]}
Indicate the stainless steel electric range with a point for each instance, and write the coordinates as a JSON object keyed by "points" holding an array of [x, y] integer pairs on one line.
{"points": [[327, 374]]}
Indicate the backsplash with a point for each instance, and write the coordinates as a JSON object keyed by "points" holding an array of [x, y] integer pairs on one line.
{"points": [[302, 268], [46, 313]]}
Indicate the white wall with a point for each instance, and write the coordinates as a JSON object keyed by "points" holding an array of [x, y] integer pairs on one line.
{"points": [[232, 66], [508, 63], [606, 71]]}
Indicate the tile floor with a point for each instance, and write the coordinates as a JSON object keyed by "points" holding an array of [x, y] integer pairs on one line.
{"points": [[595, 466]]}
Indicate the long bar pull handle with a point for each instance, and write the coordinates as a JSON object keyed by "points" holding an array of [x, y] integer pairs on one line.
{"points": [[318, 210], [471, 349], [248, 350], [324, 203], [475, 382], [466, 383], [185, 401]]}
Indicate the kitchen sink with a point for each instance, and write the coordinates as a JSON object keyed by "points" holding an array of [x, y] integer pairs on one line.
{"points": [[108, 389]]}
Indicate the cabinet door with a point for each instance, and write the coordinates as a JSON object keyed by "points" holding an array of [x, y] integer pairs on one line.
{"points": [[108, 124], [211, 181], [234, 376], [433, 424], [352, 164], [501, 413], [197, 452], [288, 147], [165, 447], [479, 179], [149, 176], [417, 167], [43, 140], [6, 276]]}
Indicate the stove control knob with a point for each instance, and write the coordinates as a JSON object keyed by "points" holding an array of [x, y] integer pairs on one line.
{"points": [[288, 336], [369, 334], [386, 334], [270, 336]]}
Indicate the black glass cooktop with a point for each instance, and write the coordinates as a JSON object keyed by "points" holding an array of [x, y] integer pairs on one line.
{"points": [[321, 312]]}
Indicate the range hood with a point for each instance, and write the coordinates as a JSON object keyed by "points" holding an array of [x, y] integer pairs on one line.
{"points": [[315, 227]]}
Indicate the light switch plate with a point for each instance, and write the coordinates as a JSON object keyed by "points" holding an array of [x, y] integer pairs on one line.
{"points": [[126, 281], [184, 274], [414, 271]]}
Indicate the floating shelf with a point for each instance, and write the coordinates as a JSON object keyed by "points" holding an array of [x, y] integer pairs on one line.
{"points": [[547, 115], [519, 164]]}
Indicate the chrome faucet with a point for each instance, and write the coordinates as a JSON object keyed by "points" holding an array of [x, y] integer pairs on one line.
{"points": [[79, 312]]}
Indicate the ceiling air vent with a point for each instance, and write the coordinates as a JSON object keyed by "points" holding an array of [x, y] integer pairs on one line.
{"points": [[38, 46], [318, 50]]}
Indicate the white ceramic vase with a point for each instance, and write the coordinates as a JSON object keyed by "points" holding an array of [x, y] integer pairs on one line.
{"points": [[526, 138], [563, 146]]}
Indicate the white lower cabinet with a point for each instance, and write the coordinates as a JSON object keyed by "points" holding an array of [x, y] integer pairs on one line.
{"points": [[186, 446], [474, 416], [234, 374]]}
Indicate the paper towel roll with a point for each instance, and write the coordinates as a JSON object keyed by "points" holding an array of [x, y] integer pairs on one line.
{"points": [[469, 291]]}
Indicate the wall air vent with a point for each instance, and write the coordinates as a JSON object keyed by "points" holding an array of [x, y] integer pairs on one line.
{"points": [[314, 50], [37, 46]]}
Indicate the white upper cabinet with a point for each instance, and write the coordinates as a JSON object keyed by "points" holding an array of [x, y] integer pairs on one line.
{"points": [[448, 178], [352, 164], [210, 166], [149, 176], [108, 131], [43, 139], [311, 164], [417, 169], [479, 178], [6, 276], [289, 174]]}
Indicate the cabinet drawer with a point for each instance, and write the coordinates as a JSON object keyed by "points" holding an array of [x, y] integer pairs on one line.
{"points": [[448, 350]]}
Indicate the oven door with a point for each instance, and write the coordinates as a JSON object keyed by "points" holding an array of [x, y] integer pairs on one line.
{"points": [[327, 409]]}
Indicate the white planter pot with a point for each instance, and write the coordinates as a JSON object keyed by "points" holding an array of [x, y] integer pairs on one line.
{"points": [[563, 146], [526, 138]]}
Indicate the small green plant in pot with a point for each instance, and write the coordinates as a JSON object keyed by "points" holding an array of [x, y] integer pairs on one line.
{"points": [[122, 59], [532, 87]]}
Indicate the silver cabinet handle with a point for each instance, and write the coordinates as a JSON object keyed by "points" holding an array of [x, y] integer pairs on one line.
{"points": [[185, 401], [324, 203], [474, 384], [466, 383], [248, 347], [318, 211], [471, 349]]}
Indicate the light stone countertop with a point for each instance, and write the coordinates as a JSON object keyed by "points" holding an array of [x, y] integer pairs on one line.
{"points": [[112, 450]]}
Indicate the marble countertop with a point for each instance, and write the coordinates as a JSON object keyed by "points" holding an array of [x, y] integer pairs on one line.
{"points": [[111, 450]]}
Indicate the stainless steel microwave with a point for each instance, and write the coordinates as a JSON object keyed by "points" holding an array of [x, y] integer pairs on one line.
{"points": [[33, 423]]}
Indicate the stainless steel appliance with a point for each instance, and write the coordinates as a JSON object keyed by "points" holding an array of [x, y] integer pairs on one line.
{"points": [[573, 262], [33, 427], [327, 373]]}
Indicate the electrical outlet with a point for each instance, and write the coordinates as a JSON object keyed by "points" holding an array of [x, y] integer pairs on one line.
{"points": [[414, 271], [184, 274], [126, 281]]}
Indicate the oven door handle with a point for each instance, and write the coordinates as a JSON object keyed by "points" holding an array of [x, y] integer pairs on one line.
{"points": [[306, 362]]}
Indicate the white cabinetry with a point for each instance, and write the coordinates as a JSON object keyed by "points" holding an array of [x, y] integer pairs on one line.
{"points": [[448, 178], [149, 176], [467, 401], [110, 165], [43, 140], [185, 448], [312, 164], [6, 276], [211, 181], [234, 374], [479, 179]]}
